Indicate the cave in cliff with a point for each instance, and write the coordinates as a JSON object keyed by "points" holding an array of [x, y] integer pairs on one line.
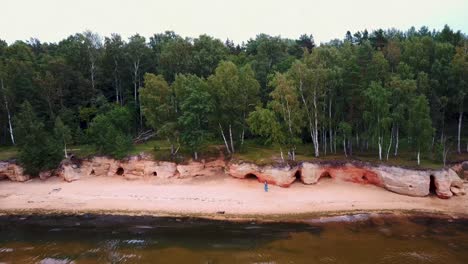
{"points": [[325, 176], [298, 176], [251, 176], [120, 171], [432, 186]]}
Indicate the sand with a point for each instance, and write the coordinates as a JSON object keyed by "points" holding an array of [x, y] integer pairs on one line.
{"points": [[209, 196]]}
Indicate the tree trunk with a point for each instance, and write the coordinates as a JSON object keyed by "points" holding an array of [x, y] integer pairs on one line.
{"points": [[195, 154], [419, 160], [281, 152], [8, 114], [380, 148], [344, 147], [136, 65], [317, 151], [390, 144], [312, 131], [65, 150], [224, 138], [242, 136], [460, 117], [232, 141], [93, 72], [397, 140], [334, 142]]}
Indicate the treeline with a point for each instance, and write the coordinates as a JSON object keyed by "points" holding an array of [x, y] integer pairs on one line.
{"points": [[367, 92]]}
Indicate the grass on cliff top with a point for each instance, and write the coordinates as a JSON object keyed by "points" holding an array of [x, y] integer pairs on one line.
{"points": [[254, 151], [8, 152], [262, 155]]}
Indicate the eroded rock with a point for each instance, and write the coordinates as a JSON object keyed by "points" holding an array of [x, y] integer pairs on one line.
{"points": [[278, 175], [13, 172]]}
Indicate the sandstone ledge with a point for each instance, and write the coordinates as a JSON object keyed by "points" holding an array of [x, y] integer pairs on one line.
{"points": [[444, 182]]}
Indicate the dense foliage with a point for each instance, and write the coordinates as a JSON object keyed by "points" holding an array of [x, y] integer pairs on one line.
{"points": [[368, 92]]}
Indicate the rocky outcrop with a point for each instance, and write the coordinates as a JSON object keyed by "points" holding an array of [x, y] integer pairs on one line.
{"points": [[456, 186], [445, 183], [278, 175], [196, 169], [133, 168], [13, 172], [399, 180], [312, 172]]}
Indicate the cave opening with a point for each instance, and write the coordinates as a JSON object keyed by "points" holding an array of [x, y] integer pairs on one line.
{"points": [[325, 176], [298, 176], [432, 185], [120, 171], [364, 178], [92, 172], [155, 173], [251, 176]]}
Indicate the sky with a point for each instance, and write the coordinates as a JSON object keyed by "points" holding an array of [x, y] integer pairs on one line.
{"points": [[238, 20]]}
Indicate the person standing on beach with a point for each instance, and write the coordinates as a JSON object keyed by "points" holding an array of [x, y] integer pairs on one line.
{"points": [[266, 186]]}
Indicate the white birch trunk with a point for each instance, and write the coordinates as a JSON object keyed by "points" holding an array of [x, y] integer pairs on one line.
{"points": [[136, 66], [312, 131], [397, 140], [93, 73], [316, 126], [242, 136], [232, 141], [380, 148], [419, 160], [460, 117], [390, 144], [8, 114], [224, 138], [65, 150]]}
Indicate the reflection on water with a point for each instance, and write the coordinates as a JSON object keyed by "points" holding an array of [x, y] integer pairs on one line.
{"points": [[107, 239]]}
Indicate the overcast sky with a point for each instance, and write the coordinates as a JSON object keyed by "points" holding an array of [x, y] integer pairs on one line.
{"points": [[239, 20]]}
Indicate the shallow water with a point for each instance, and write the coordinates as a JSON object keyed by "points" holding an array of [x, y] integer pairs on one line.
{"points": [[348, 239]]}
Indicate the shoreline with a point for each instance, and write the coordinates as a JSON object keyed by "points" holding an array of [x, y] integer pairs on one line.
{"points": [[312, 217], [216, 198]]}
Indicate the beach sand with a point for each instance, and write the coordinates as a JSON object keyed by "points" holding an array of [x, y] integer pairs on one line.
{"points": [[211, 196]]}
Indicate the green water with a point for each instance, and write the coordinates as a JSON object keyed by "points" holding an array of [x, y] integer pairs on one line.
{"points": [[106, 239]]}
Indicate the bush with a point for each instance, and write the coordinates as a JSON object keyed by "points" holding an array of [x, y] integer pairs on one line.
{"points": [[110, 132], [38, 149]]}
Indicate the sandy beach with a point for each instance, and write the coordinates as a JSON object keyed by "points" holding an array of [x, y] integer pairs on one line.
{"points": [[211, 196]]}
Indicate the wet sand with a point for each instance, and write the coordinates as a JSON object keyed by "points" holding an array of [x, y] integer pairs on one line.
{"points": [[221, 196]]}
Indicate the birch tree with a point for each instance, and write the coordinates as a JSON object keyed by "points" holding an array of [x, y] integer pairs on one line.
{"points": [[159, 110], [62, 134], [195, 107], [460, 74], [264, 122], [235, 94], [4, 93], [136, 50], [114, 56], [285, 103], [377, 113], [93, 44], [420, 125]]}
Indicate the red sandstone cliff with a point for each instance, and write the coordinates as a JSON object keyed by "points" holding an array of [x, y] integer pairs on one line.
{"points": [[411, 182]]}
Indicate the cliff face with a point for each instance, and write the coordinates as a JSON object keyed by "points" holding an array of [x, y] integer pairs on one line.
{"points": [[444, 183]]}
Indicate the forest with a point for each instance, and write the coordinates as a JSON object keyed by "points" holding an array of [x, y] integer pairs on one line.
{"points": [[379, 92]]}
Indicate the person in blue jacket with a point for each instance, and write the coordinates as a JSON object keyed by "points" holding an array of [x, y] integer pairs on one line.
{"points": [[266, 186]]}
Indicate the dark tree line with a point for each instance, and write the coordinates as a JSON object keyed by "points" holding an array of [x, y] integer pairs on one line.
{"points": [[370, 91]]}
